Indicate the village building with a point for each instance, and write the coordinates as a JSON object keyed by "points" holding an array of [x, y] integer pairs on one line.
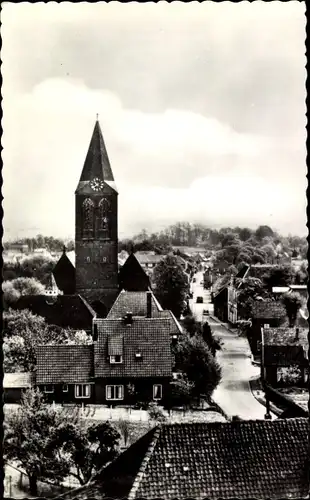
{"points": [[130, 360], [265, 314], [285, 350], [66, 311], [241, 459]]}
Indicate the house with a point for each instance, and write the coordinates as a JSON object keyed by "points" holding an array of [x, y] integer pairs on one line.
{"points": [[66, 311], [14, 384], [285, 350], [65, 373], [130, 360], [220, 300], [132, 277], [241, 459], [232, 294], [265, 313], [148, 260]]}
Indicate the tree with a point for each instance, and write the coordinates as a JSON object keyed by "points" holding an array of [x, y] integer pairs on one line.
{"points": [[211, 341], [191, 325], [87, 447], [250, 290], [29, 440], [195, 360], [12, 290], [292, 303], [181, 392], [279, 276], [22, 333], [263, 231], [172, 286], [155, 413]]}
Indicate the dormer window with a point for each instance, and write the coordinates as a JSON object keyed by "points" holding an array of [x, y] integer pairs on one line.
{"points": [[138, 355], [116, 359]]}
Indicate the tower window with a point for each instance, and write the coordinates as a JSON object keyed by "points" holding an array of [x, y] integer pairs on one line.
{"points": [[103, 218], [88, 217]]}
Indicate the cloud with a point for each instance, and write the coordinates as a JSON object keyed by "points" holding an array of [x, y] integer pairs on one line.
{"points": [[188, 94]]}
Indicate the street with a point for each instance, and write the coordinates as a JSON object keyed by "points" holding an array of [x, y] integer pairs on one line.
{"points": [[233, 394]]}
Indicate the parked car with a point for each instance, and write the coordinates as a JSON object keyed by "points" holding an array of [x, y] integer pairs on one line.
{"points": [[190, 295], [205, 312], [194, 280], [199, 300]]}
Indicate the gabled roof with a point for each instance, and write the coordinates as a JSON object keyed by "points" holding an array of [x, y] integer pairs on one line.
{"points": [[64, 274], [132, 276], [242, 459], [62, 310], [285, 336], [97, 162], [64, 364], [268, 309], [148, 336], [136, 303]]}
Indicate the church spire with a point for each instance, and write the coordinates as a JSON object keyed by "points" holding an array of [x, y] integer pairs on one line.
{"points": [[97, 164]]}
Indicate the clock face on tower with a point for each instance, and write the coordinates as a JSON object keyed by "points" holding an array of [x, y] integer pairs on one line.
{"points": [[96, 184]]}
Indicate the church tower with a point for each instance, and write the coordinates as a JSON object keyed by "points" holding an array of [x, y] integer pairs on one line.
{"points": [[96, 249]]}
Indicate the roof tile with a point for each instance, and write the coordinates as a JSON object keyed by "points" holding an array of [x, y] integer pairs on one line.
{"points": [[58, 364]]}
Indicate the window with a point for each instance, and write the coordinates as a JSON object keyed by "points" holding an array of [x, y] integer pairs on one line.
{"points": [[88, 217], [48, 388], [82, 391], [138, 355], [157, 391], [116, 359], [103, 219], [65, 388], [87, 259], [115, 392], [104, 259]]}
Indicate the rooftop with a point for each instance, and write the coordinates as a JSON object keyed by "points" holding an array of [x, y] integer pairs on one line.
{"points": [[285, 336], [242, 459], [64, 364], [268, 309], [149, 337], [61, 310]]}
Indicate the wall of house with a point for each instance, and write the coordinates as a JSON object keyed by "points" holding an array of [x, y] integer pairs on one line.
{"points": [[220, 306], [143, 390], [61, 397]]}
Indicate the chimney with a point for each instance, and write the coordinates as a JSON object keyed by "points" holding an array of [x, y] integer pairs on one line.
{"points": [[297, 333], [128, 319], [148, 304]]}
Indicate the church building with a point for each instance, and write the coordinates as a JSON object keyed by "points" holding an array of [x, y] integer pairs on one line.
{"points": [[96, 245]]}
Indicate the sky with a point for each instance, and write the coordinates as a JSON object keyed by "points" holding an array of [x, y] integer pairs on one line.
{"points": [[201, 105]]}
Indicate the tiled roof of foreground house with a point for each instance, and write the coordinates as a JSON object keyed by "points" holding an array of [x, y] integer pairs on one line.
{"points": [[269, 309], [147, 337], [64, 364], [136, 303], [242, 459]]}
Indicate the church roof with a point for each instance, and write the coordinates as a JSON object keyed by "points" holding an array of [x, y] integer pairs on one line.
{"points": [[97, 163]]}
